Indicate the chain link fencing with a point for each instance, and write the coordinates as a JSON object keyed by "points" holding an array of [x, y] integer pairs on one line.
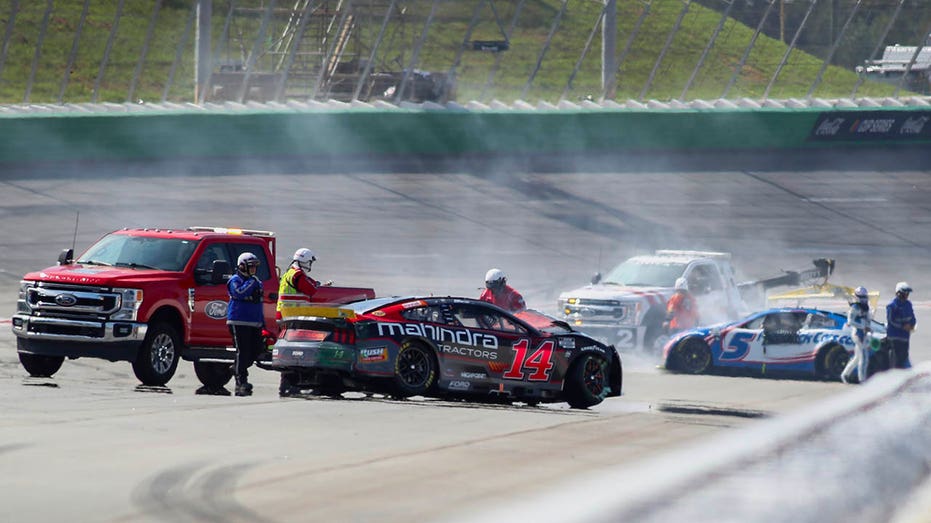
{"points": [[202, 51]]}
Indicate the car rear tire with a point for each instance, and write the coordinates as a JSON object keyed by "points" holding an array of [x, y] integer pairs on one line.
{"points": [[414, 370], [39, 366], [587, 382], [158, 356], [834, 361], [213, 374], [692, 356]]}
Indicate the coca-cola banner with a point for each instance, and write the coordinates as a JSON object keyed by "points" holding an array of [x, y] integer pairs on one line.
{"points": [[872, 125]]}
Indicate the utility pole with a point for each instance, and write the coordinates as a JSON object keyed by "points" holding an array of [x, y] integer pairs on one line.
{"points": [[608, 43], [202, 57]]}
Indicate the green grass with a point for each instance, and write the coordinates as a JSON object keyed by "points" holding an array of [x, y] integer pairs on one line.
{"points": [[443, 41]]}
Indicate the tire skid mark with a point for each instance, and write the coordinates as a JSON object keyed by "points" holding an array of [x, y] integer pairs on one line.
{"points": [[193, 492]]}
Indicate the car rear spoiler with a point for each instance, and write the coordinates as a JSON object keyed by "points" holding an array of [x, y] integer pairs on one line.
{"points": [[317, 311]]}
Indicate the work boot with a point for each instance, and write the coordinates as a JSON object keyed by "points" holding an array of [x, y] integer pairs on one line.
{"points": [[286, 388], [243, 387]]}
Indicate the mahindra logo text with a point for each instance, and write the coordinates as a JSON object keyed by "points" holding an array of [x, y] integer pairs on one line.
{"points": [[439, 334]]}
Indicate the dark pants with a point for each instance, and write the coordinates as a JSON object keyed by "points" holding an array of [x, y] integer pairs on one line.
{"points": [[248, 342], [898, 353]]}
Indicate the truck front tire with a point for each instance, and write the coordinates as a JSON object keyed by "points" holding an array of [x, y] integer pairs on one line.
{"points": [[39, 366], [158, 356]]}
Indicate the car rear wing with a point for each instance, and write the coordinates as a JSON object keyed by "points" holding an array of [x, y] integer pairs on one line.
{"points": [[316, 311]]}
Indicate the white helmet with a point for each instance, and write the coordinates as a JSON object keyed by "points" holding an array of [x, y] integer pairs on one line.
{"points": [[246, 260], [495, 279], [902, 288], [861, 294], [682, 284], [304, 258]]}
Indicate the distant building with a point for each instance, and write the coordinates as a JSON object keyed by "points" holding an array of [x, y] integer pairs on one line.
{"points": [[895, 62]]}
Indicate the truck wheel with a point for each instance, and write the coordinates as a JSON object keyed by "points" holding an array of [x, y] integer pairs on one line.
{"points": [[587, 382], [39, 366], [158, 356], [213, 374]]}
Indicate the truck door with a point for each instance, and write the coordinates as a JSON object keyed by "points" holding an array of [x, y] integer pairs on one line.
{"points": [[706, 286], [208, 320]]}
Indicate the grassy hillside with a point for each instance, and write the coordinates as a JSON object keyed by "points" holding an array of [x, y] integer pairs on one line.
{"points": [[444, 38]]}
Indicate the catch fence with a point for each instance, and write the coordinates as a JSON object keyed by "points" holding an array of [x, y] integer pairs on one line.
{"points": [[61, 51]]}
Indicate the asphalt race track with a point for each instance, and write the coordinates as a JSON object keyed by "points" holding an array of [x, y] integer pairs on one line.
{"points": [[90, 445]]}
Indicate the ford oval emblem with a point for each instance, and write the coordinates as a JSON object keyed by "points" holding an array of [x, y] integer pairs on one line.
{"points": [[66, 300]]}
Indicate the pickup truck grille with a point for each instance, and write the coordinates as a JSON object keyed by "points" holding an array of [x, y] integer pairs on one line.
{"points": [[72, 301], [613, 311]]}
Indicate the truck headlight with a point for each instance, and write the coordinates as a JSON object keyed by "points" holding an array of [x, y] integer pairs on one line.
{"points": [[22, 301], [130, 301]]}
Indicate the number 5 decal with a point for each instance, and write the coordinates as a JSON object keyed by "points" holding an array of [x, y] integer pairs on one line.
{"points": [[540, 361]]}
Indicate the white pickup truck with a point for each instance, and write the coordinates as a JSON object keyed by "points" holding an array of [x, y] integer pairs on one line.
{"points": [[628, 305]]}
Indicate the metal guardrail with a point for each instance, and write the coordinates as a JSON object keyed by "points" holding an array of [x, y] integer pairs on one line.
{"points": [[444, 50]]}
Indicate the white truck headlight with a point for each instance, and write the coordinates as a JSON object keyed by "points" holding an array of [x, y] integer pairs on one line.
{"points": [[130, 301]]}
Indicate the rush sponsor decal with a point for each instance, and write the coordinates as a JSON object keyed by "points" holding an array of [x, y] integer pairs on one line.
{"points": [[373, 355], [440, 334]]}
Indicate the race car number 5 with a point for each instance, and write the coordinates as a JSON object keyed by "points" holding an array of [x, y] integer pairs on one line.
{"points": [[540, 361]]}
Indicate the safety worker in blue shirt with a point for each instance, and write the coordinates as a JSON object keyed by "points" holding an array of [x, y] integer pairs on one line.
{"points": [[858, 321], [245, 318], [900, 322]]}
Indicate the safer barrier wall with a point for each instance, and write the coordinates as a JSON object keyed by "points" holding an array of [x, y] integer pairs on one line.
{"points": [[373, 133]]}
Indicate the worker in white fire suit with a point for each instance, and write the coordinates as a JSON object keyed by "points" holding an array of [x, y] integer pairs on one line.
{"points": [[859, 319]]}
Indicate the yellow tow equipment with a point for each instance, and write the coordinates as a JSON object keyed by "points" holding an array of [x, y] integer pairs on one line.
{"points": [[823, 291]]}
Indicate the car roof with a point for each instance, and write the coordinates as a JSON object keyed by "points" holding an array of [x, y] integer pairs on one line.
{"points": [[366, 306]]}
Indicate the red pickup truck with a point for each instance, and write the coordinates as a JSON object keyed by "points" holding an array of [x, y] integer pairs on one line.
{"points": [[150, 297]]}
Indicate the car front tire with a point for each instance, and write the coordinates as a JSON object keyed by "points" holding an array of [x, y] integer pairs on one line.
{"points": [[692, 356], [587, 382]]}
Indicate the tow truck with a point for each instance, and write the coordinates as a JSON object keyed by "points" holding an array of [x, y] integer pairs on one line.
{"points": [[148, 296]]}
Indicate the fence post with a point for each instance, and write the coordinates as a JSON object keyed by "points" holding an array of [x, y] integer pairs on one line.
{"points": [[38, 51], [415, 55], [106, 52], [546, 47], [879, 44], [72, 56], [827, 60], [662, 54], [145, 50], [707, 50], [785, 56], [743, 59]]}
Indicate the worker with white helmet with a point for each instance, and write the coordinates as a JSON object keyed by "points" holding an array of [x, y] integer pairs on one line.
{"points": [[245, 318], [296, 289], [498, 292], [681, 309], [859, 320], [900, 322]]}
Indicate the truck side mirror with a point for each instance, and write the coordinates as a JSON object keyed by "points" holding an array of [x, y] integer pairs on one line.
{"points": [[596, 278], [219, 271], [66, 257]]}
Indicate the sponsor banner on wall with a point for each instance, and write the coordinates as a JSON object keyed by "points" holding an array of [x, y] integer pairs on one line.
{"points": [[872, 125]]}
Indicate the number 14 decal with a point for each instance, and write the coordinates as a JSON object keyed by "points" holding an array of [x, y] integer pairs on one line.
{"points": [[540, 361]]}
